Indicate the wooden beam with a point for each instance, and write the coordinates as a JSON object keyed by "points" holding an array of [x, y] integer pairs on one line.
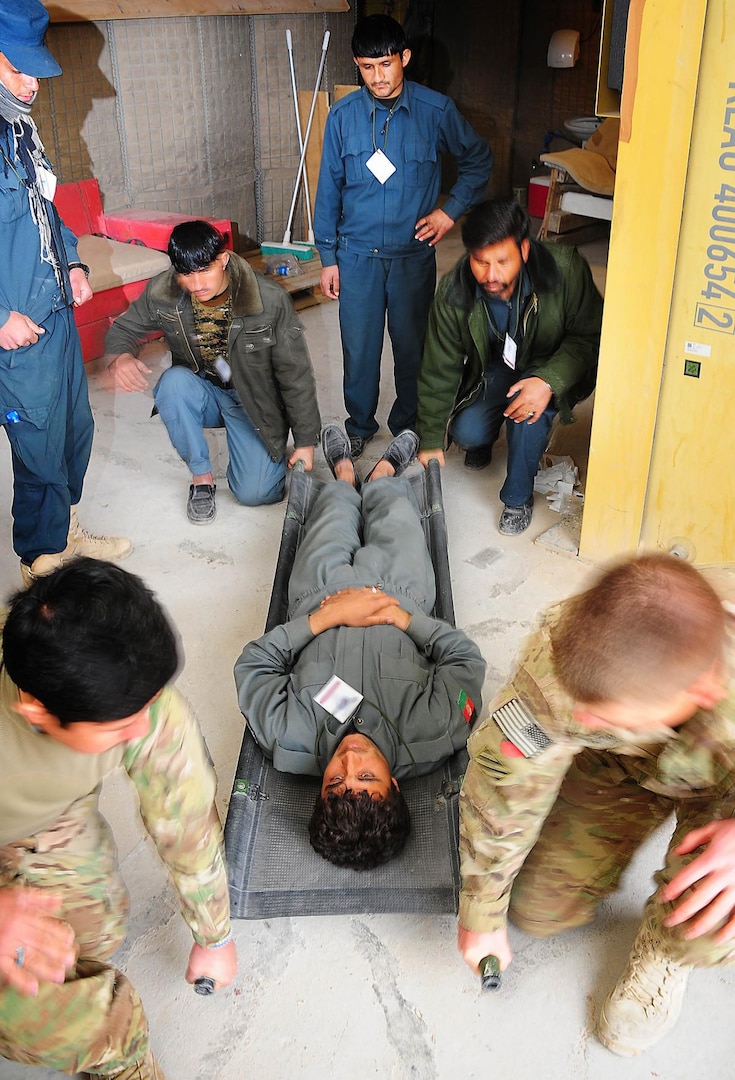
{"points": [[316, 138], [64, 11]]}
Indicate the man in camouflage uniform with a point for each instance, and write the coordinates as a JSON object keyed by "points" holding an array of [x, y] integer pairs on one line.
{"points": [[621, 711], [87, 657]]}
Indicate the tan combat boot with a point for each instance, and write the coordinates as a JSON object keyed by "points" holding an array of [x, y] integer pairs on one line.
{"points": [[81, 542], [78, 542], [43, 565], [646, 1002]]}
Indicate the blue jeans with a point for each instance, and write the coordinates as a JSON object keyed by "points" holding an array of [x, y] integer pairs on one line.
{"points": [[370, 288], [46, 386], [480, 423], [187, 404]]}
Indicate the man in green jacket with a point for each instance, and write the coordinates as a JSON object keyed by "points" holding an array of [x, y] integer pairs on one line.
{"points": [[514, 334], [239, 361]]}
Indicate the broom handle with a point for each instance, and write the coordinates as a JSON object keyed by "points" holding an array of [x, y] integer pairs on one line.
{"points": [[325, 44], [289, 45]]}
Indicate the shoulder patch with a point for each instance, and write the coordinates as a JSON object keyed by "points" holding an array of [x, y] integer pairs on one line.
{"points": [[520, 729]]}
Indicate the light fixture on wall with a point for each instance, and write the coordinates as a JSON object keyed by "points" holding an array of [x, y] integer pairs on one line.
{"points": [[563, 49]]}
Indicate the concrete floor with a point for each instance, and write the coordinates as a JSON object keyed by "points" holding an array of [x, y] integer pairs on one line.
{"points": [[367, 996]]}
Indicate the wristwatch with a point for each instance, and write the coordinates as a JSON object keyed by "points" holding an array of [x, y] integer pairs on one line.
{"points": [[79, 266]]}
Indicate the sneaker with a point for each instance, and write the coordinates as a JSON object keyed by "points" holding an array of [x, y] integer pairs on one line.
{"points": [[81, 542], [400, 452], [201, 508], [479, 458], [515, 519], [646, 1002], [358, 444]]}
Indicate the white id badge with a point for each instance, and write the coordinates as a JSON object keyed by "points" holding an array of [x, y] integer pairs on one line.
{"points": [[46, 182], [338, 698], [380, 166], [222, 368], [509, 352]]}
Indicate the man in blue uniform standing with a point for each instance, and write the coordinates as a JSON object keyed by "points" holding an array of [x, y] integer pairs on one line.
{"points": [[44, 404], [376, 218]]}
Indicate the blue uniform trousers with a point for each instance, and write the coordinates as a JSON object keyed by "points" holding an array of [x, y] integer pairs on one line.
{"points": [[44, 408], [369, 288], [480, 423]]}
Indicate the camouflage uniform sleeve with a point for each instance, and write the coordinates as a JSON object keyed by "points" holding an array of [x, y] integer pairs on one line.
{"points": [[518, 758], [176, 785]]}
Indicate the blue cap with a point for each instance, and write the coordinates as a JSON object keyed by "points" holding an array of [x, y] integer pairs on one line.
{"points": [[23, 26]]}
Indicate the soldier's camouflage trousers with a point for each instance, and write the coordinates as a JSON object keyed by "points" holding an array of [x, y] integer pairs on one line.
{"points": [[600, 819], [95, 1022]]}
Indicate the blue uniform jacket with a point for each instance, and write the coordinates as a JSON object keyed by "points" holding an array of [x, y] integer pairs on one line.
{"points": [[355, 210], [27, 285]]}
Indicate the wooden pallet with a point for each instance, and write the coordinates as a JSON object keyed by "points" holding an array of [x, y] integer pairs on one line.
{"points": [[303, 288]]}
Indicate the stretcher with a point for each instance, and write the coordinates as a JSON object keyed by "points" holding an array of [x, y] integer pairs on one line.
{"points": [[272, 870]]}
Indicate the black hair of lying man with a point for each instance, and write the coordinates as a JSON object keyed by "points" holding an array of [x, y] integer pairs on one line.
{"points": [[361, 685]]}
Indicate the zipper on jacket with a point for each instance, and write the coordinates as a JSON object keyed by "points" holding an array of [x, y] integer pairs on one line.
{"points": [[185, 336]]}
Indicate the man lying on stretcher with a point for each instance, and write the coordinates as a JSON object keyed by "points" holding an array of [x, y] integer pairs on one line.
{"points": [[361, 685]]}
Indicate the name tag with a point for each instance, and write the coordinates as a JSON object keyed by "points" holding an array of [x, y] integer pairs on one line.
{"points": [[338, 698], [509, 352], [380, 166], [46, 182]]}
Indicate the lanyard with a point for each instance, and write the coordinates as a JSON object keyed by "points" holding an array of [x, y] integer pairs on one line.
{"points": [[384, 129]]}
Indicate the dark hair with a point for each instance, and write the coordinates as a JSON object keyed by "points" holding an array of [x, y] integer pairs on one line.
{"points": [[648, 629], [90, 642], [493, 221], [378, 35], [193, 245], [354, 829]]}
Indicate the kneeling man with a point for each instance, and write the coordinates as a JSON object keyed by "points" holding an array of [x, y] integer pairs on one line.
{"points": [[239, 361]]}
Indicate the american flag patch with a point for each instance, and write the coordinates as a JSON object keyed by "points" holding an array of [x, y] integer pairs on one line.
{"points": [[520, 728]]}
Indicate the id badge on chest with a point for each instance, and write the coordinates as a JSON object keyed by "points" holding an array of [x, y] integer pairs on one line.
{"points": [[380, 166], [509, 352], [46, 182]]}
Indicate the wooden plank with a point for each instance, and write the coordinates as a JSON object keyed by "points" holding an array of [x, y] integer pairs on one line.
{"points": [[562, 221], [592, 230], [62, 11], [316, 137], [343, 89], [303, 288]]}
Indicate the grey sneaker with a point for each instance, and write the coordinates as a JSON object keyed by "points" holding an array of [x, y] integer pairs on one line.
{"points": [[201, 508], [515, 519], [646, 1002]]}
